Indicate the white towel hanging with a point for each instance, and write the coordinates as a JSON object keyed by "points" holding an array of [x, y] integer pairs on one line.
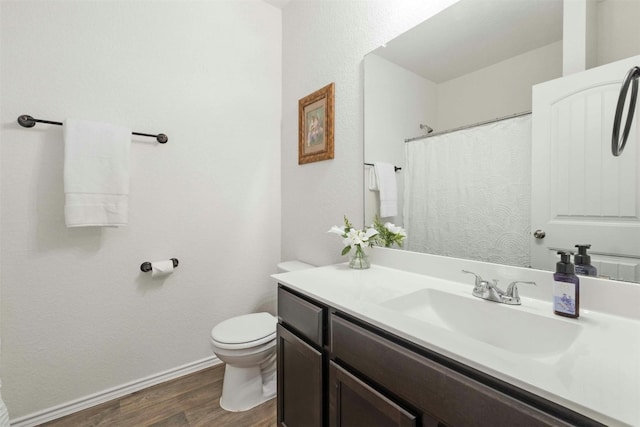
{"points": [[96, 173], [388, 188]]}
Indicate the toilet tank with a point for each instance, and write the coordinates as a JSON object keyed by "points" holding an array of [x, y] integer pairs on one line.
{"points": [[287, 266]]}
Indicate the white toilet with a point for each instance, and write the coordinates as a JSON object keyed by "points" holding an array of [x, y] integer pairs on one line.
{"points": [[247, 344]]}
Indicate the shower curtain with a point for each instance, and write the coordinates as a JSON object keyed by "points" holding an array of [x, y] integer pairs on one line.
{"points": [[4, 414], [467, 193]]}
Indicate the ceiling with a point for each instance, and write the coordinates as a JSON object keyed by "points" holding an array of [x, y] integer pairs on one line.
{"points": [[278, 3], [473, 34]]}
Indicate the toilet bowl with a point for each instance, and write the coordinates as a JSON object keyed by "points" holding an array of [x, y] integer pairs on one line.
{"points": [[247, 345]]}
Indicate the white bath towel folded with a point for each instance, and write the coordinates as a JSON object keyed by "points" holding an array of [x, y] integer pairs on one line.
{"points": [[96, 173], [386, 180], [373, 179]]}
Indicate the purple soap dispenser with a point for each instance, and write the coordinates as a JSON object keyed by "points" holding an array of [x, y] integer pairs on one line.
{"points": [[566, 287], [583, 261]]}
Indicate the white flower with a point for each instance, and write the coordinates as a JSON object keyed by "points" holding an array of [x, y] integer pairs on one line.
{"points": [[377, 234], [358, 237], [395, 229], [337, 230]]}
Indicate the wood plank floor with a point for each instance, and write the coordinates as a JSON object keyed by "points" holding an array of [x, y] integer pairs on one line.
{"points": [[189, 401]]}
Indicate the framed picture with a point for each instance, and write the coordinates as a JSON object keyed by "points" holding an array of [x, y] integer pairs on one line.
{"points": [[315, 126]]}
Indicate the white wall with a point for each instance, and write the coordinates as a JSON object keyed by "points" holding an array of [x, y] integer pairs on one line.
{"points": [[499, 90], [325, 41], [599, 32], [617, 30], [396, 102], [78, 316]]}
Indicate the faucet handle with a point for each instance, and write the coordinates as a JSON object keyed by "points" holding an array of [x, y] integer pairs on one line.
{"points": [[479, 280], [481, 285], [493, 284], [512, 291]]}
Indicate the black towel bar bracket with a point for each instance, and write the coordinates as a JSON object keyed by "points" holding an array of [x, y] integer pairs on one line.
{"points": [[395, 168], [27, 121], [146, 266]]}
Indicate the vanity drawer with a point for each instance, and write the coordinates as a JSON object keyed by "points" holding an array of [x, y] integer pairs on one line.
{"points": [[453, 398], [304, 317]]}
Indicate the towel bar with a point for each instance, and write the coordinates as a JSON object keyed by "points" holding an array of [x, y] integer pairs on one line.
{"points": [[146, 266], [27, 121], [395, 168]]}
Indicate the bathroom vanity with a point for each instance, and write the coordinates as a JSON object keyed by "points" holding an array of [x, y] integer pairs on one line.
{"points": [[360, 348]]}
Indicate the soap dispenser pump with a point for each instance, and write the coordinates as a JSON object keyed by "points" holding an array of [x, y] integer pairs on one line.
{"points": [[566, 287], [583, 261]]}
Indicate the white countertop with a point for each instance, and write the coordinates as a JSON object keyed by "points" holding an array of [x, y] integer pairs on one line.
{"points": [[598, 375]]}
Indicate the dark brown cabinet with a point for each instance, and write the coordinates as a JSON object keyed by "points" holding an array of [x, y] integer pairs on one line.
{"points": [[299, 382], [337, 370], [437, 391], [353, 403], [301, 360]]}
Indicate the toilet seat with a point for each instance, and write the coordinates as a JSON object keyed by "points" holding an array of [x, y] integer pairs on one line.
{"points": [[246, 331]]}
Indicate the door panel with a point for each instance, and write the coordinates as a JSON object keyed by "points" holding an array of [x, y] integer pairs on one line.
{"points": [[581, 193]]}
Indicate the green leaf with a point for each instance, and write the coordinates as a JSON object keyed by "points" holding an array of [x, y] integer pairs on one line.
{"points": [[346, 250]]}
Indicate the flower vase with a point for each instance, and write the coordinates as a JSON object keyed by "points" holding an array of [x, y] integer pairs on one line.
{"points": [[359, 259]]}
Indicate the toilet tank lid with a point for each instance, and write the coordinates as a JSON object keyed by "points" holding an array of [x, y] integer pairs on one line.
{"points": [[287, 266], [245, 328]]}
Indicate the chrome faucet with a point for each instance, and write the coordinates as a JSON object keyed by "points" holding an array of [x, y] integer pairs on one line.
{"points": [[490, 290]]}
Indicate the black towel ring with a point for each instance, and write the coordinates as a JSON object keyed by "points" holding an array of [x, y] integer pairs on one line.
{"points": [[617, 143]]}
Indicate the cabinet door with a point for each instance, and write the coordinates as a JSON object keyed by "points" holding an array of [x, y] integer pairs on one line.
{"points": [[353, 403], [450, 396], [299, 382]]}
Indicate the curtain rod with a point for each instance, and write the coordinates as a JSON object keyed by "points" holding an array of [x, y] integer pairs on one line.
{"points": [[27, 121], [486, 122]]}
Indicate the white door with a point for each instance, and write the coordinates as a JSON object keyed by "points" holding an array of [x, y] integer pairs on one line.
{"points": [[581, 193]]}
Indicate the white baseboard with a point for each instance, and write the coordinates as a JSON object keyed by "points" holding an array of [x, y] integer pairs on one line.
{"points": [[86, 402]]}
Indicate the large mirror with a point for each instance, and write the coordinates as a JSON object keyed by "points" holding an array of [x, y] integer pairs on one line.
{"points": [[462, 70]]}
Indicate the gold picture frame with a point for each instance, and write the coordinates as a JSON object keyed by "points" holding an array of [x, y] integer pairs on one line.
{"points": [[315, 126]]}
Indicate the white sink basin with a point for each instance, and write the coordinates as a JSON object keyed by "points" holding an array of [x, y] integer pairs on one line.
{"points": [[506, 327]]}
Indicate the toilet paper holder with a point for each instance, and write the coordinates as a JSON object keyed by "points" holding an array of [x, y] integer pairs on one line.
{"points": [[146, 266]]}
